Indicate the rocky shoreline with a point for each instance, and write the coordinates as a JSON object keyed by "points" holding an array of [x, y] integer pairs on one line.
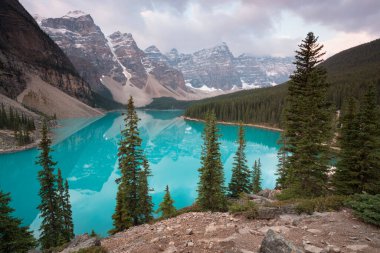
{"points": [[233, 123]]}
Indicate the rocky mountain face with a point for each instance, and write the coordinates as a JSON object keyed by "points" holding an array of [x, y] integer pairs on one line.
{"points": [[117, 57], [86, 46], [25, 51], [217, 68], [263, 71], [130, 56]]}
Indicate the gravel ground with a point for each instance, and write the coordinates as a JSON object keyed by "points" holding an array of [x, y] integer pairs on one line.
{"points": [[222, 232]]}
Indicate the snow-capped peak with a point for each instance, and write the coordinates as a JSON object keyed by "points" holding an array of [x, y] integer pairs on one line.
{"points": [[75, 14], [152, 49], [121, 36]]}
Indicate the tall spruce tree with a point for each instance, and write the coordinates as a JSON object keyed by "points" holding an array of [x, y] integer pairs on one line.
{"points": [[145, 200], [61, 206], [49, 207], [167, 208], [369, 144], [307, 123], [13, 237], [211, 190], [346, 177], [67, 214], [281, 166], [256, 177], [240, 182], [130, 209]]}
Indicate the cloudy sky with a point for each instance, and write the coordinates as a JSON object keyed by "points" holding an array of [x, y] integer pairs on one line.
{"points": [[257, 27]]}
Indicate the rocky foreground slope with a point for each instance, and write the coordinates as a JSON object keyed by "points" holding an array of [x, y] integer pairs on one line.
{"points": [[330, 232], [275, 230], [222, 232]]}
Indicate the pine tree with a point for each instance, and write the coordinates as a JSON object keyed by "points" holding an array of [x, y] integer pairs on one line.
{"points": [[240, 182], [128, 206], [167, 208], [68, 224], [346, 177], [13, 237], [281, 166], [61, 204], [211, 190], [369, 144], [307, 124], [49, 208], [256, 177], [145, 200], [65, 215]]}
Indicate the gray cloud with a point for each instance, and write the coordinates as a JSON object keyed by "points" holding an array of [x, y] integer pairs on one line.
{"points": [[252, 26]]}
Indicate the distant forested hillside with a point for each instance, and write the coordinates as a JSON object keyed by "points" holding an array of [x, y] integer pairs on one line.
{"points": [[349, 73]]}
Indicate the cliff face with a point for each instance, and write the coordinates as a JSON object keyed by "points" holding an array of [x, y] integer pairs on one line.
{"points": [[26, 50], [86, 46]]}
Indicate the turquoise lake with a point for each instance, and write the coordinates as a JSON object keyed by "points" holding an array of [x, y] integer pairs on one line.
{"points": [[86, 149]]}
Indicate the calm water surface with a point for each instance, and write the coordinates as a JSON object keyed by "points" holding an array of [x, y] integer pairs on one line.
{"points": [[86, 149]]}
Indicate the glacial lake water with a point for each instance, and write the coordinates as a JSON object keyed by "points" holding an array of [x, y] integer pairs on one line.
{"points": [[86, 149]]}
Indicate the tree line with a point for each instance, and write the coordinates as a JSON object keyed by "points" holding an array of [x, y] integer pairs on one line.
{"points": [[21, 124]]}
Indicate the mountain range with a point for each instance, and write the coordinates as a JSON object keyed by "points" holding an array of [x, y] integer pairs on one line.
{"points": [[349, 73], [115, 67]]}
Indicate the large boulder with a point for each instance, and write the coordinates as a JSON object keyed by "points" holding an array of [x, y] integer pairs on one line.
{"points": [[275, 243], [269, 194], [81, 242]]}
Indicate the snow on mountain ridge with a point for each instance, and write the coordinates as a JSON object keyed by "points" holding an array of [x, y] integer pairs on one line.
{"points": [[75, 14]]}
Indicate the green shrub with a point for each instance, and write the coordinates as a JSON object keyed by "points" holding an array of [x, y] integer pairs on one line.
{"points": [[243, 206], [93, 249], [366, 207], [321, 204]]}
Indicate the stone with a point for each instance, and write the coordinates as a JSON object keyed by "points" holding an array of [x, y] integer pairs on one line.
{"points": [[357, 247], [277, 229], [332, 249], [189, 231], [245, 251], [210, 228], [269, 194], [312, 249], [314, 231], [189, 244], [81, 242], [244, 231], [155, 240], [171, 249], [267, 213], [275, 243]]}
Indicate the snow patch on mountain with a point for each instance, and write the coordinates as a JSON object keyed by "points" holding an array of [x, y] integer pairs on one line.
{"points": [[125, 71], [75, 14]]}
